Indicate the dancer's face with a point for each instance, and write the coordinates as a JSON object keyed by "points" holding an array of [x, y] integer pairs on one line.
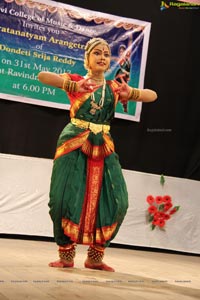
{"points": [[99, 58]]}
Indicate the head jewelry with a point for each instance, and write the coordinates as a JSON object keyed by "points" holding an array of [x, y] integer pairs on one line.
{"points": [[91, 44]]}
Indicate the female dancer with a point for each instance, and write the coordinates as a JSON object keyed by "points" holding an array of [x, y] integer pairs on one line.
{"points": [[88, 193]]}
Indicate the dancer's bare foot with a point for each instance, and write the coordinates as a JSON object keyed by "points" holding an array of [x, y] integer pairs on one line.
{"points": [[61, 264], [98, 266]]}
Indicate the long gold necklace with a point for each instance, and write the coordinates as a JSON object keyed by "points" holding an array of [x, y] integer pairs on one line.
{"points": [[94, 105]]}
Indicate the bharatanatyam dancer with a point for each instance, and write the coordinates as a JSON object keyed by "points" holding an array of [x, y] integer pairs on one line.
{"points": [[88, 194]]}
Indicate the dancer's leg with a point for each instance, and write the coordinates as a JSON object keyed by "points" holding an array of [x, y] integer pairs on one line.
{"points": [[95, 259], [66, 255]]}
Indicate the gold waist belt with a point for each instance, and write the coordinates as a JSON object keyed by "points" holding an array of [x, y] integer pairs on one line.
{"points": [[95, 128]]}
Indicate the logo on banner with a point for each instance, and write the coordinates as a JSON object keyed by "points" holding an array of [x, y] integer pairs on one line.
{"points": [[179, 4], [163, 5]]}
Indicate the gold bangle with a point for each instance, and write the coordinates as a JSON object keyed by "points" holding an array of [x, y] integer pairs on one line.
{"points": [[69, 86], [134, 94], [65, 84]]}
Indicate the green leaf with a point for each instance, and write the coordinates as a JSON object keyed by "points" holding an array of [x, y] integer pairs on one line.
{"points": [[153, 226], [162, 180], [177, 207], [161, 207], [151, 218]]}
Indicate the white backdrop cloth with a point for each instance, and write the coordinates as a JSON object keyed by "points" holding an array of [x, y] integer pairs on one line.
{"points": [[24, 196]]}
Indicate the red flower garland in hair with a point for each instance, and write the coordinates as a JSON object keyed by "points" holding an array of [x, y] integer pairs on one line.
{"points": [[160, 210]]}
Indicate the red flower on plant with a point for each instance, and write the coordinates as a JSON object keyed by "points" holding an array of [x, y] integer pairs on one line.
{"points": [[150, 199], [160, 223], [152, 209], [154, 222], [159, 210], [159, 199], [162, 215], [157, 215], [167, 206], [173, 210], [166, 217], [167, 198]]}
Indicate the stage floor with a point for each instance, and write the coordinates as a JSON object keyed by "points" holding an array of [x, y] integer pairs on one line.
{"points": [[139, 275]]}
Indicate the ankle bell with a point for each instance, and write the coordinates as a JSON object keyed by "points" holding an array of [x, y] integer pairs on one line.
{"points": [[95, 254], [67, 252]]}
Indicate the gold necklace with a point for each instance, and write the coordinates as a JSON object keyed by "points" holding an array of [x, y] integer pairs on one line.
{"points": [[98, 80], [94, 105]]}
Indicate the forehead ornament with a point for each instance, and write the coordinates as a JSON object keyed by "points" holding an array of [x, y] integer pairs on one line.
{"points": [[94, 42]]}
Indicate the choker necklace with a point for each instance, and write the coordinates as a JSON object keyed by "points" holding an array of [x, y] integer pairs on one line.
{"points": [[94, 105], [100, 80]]}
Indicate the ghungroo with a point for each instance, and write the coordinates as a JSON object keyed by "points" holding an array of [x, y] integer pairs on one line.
{"points": [[67, 252], [95, 254]]}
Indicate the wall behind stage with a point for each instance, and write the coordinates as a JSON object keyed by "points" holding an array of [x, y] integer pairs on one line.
{"points": [[167, 139]]}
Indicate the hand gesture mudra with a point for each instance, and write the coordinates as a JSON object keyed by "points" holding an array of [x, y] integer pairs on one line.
{"points": [[86, 86], [123, 90]]}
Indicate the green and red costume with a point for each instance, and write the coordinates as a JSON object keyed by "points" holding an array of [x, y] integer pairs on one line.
{"points": [[88, 193]]}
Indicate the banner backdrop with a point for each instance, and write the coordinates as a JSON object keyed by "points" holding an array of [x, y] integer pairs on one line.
{"points": [[51, 36]]}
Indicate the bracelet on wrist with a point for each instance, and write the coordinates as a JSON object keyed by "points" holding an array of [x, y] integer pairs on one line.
{"points": [[69, 86], [134, 94]]}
